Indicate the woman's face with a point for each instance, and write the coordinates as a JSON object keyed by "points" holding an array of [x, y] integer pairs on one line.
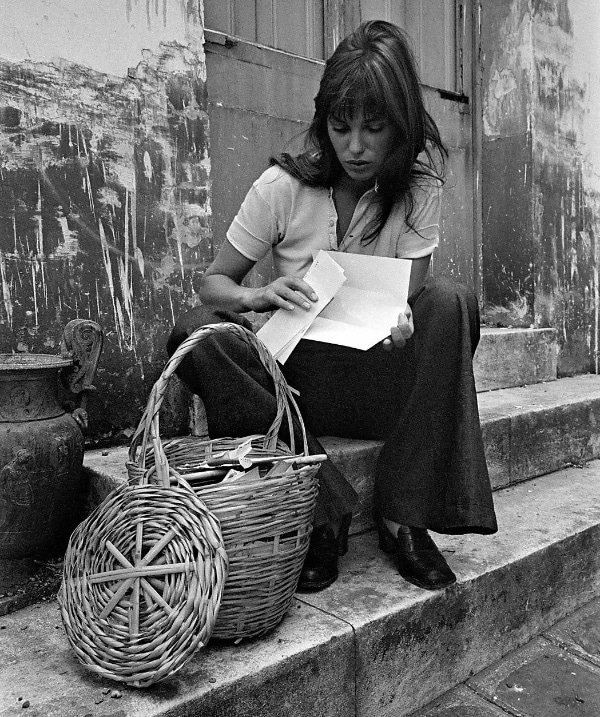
{"points": [[362, 143]]}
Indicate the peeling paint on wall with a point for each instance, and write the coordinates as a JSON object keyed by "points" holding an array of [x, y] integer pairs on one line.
{"points": [[542, 192], [104, 212], [109, 36], [508, 253], [508, 66], [566, 182]]}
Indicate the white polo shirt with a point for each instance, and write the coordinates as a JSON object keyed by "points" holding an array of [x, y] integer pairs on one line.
{"points": [[285, 216]]}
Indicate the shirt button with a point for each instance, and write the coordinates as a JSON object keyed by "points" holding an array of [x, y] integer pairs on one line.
{"points": [[331, 222]]}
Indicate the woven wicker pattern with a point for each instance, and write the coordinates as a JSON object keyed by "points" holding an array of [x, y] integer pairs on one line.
{"points": [[265, 522], [142, 583], [266, 530]]}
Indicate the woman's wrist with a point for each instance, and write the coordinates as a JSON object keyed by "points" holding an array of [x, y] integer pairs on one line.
{"points": [[246, 298], [222, 291]]}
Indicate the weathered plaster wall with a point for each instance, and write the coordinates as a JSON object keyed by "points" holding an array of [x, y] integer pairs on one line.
{"points": [[508, 248], [104, 183], [567, 175], [541, 170]]}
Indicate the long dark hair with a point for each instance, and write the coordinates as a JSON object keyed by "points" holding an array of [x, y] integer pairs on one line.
{"points": [[373, 68]]}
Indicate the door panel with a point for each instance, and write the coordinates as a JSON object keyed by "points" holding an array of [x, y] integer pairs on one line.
{"points": [[457, 254], [390, 10], [295, 26], [431, 25]]}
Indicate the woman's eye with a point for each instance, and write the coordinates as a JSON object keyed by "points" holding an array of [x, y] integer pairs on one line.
{"points": [[375, 128], [339, 128]]}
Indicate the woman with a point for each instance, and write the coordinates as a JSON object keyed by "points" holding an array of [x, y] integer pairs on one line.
{"points": [[369, 182]]}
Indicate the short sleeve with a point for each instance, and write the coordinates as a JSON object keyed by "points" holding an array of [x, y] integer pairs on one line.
{"points": [[424, 236], [260, 221]]}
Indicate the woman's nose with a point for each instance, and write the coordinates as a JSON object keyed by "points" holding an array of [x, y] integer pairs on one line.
{"points": [[357, 144]]}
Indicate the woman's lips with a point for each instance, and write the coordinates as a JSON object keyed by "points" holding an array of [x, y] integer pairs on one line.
{"points": [[357, 165]]}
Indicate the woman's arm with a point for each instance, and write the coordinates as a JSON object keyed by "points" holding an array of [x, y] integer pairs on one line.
{"points": [[222, 281]]}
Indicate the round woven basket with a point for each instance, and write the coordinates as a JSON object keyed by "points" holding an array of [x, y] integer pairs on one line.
{"points": [[266, 522], [142, 582]]}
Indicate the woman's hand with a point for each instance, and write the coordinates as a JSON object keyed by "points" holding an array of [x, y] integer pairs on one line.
{"points": [[400, 334], [286, 292]]}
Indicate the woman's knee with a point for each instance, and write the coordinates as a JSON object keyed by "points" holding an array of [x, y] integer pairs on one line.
{"points": [[443, 304], [200, 316], [445, 297]]}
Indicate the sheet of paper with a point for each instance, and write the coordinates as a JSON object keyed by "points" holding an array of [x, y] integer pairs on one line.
{"points": [[284, 329], [367, 305], [356, 318], [360, 307], [375, 273], [336, 332]]}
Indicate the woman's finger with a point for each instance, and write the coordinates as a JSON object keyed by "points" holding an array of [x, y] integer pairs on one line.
{"points": [[287, 297], [306, 289], [398, 336]]}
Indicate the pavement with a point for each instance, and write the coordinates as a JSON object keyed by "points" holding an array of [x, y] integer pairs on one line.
{"points": [[557, 674]]}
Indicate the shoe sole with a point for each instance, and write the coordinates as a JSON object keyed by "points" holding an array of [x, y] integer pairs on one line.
{"points": [[423, 586], [314, 587]]}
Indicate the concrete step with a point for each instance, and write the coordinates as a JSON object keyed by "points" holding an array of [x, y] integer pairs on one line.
{"points": [[515, 357], [371, 645], [528, 431]]}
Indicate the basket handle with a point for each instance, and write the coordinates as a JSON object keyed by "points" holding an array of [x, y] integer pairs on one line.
{"points": [[148, 432]]}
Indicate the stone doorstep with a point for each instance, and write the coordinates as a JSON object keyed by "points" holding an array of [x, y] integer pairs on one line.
{"points": [[528, 431], [515, 357], [371, 645]]}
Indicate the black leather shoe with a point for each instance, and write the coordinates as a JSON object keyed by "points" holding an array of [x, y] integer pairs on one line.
{"points": [[417, 557], [320, 567]]}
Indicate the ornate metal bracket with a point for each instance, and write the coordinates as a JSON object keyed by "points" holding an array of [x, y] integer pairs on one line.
{"points": [[82, 342]]}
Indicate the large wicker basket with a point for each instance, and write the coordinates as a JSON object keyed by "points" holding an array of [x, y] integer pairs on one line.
{"points": [[266, 522]]}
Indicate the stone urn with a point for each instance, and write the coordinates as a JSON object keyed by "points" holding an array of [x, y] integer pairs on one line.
{"points": [[41, 443]]}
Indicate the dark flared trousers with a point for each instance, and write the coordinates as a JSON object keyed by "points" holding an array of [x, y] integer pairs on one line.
{"points": [[420, 400]]}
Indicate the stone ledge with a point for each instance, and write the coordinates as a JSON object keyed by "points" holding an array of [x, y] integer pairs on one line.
{"points": [[515, 357], [533, 430], [371, 645]]}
